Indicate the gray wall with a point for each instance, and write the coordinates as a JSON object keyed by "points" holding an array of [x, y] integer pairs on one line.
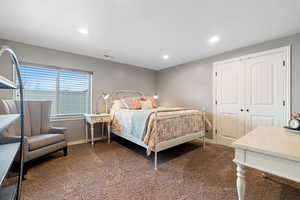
{"points": [[108, 76], [191, 84], [184, 85]]}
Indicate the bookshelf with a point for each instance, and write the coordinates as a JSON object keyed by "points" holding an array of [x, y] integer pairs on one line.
{"points": [[11, 147]]}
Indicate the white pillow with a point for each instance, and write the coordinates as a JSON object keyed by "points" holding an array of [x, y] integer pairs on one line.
{"points": [[146, 104], [117, 105]]}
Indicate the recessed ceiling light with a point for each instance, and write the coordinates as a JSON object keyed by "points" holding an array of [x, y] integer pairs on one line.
{"points": [[165, 57], [83, 31], [214, 39]]}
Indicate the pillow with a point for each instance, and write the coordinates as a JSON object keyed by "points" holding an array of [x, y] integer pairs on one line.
{"points": [[146, 104], [153, 104], [132, 103], [117, 105]]}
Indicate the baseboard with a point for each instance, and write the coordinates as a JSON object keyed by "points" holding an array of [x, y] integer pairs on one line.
{"points": [[212, 141], [208, 140], [84, 141], [76, 142]]}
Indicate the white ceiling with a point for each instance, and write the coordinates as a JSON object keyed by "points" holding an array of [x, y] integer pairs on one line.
{"points": [[140, 32]]}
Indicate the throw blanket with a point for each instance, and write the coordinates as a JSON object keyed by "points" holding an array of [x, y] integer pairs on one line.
{"points": [[139, 122]]}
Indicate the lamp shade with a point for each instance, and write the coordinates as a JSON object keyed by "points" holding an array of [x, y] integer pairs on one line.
{"points": [[155, 96]]}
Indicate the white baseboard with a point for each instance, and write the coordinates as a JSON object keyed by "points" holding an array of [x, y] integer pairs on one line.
{"points": [[212, 141], [84, 141], [208, 140]]}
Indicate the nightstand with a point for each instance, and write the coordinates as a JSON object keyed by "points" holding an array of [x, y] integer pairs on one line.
{"points": [[97, 118]]}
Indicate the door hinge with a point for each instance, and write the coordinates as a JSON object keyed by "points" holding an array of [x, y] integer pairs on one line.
{"points": [[216, 131], [216, 73], [283, 103], [216, 102], [283, 63]]}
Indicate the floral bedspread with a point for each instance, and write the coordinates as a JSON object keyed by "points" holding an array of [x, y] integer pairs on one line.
{"points": [[172, 124]]}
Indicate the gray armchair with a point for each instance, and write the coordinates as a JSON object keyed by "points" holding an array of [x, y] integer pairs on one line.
{"points": [[40, 138]]}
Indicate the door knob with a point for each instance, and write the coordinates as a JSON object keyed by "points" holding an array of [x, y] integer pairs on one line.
{"points": [[247, 110], [242, 110]]}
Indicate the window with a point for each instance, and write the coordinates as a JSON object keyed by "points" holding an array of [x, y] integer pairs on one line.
{"points": [[69, 91]]}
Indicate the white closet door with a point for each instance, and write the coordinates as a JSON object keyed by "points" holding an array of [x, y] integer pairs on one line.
{"points": [[230, 101], [265, 91]]}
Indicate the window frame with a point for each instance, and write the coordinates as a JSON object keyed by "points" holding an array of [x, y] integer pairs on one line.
{"points": [[61, 117]]}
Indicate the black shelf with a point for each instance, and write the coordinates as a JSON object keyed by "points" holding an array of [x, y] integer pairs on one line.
{"points": [[8, 153], [8, 192], [6, 120], [6, 84]]}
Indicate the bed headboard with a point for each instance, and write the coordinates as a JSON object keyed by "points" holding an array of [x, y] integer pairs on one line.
{"points": [[120, 94]]}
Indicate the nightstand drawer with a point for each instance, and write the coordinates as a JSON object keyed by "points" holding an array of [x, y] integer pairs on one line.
{"points": [[101, 119]]}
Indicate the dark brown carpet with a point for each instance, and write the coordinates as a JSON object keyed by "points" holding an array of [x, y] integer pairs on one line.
{"points": [[122, 171]]}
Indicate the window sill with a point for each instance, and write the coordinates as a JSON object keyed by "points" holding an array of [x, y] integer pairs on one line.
{"points": [[66, 118]]}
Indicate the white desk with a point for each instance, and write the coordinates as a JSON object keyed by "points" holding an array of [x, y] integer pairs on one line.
{"points": [[271, 150], [97, 118]]}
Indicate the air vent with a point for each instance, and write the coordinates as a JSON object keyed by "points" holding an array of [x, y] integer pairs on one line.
{"points": [[108, 56]]}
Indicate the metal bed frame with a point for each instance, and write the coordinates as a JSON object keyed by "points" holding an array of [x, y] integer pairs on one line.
{"points": [[161, 145]]}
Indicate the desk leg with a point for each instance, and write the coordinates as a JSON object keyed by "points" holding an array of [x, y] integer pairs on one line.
{"points": [[241, 182], [102, 132], [108, 132], [86, 132], [92, 134]]}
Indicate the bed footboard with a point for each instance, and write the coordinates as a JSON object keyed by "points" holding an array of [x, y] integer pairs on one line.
{"points": [[160, 146]]}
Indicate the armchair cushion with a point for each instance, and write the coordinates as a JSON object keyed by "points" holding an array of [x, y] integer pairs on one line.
{"points": [[39, 141]]}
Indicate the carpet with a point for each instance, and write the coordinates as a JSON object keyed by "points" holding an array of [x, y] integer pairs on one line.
{"points": [[121, 170]]}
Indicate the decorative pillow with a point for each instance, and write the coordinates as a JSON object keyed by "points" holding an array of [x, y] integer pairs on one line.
{"points": [[153, 104], [146, 104], [132, 103]]}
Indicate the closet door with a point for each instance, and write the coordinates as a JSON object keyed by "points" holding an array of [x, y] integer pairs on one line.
{"points": [[230, 102], [265, 91]]}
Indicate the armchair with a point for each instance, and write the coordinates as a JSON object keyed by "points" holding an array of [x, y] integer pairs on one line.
{"points": [[40, 138]]}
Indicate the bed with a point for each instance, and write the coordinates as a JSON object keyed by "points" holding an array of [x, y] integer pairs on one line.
{"points": [[156, 129]]}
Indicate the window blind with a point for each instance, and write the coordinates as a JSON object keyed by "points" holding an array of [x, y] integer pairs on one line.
{"points": [[73, 93], [69, 91]]}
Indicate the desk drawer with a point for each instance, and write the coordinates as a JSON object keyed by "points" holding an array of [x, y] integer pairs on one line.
{"points": [[285, 168]]}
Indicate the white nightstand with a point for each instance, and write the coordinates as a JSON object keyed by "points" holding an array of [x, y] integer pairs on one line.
{"points": [[97, 118]]}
